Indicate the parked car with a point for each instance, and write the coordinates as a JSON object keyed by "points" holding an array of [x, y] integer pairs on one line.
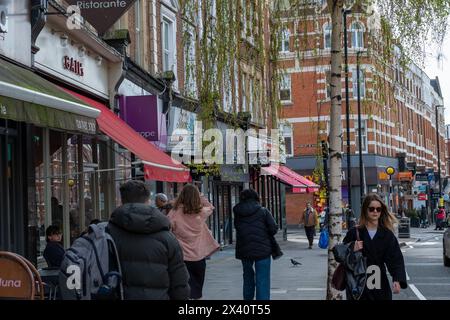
{"points": [[446, 247]]}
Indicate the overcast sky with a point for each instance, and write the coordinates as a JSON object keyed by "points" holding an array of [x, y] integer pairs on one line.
{"points": [[441, 69]]}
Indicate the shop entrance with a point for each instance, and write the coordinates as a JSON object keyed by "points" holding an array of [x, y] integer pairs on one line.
{"points": [[11, 213]]}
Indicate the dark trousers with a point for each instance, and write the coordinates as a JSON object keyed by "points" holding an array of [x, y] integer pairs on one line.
{"points": [[196, 271], [256, 278], [310, 231]]}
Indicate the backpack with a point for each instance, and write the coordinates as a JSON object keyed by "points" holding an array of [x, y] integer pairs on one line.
{"points": [[90, 269]]}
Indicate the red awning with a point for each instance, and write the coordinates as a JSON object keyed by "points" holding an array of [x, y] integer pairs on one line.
{"points": [[299, 183], [274, 170], [157, 165], [312, 187]]}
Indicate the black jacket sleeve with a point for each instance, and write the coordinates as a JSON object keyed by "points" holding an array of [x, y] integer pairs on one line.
{"points": [[270, 223], [179, 288], [350, 236], [394, 261]]}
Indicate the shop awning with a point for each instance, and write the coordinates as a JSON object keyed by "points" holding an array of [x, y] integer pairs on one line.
{"points": [[312, 187], [157, 165], [299, 183], [27, 97], [273, 170]]}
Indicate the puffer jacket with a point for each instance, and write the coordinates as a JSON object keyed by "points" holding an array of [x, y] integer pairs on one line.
{"points": [[150, 256], [254, 227]]}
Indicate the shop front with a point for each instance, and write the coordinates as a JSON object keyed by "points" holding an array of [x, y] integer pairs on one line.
{"points": [[38, 123]]}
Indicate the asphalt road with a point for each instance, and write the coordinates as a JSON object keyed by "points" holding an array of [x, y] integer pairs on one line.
{"points": [[428, 278]]}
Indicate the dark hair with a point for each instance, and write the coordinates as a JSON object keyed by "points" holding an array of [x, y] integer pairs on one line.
{"points": [[386, 220], [248, 195], [134, 191], [51, 230], [189, 198], [95, 221]]}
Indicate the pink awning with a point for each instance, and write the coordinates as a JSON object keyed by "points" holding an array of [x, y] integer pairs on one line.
{"points": [[273, 170], [312, 187]]}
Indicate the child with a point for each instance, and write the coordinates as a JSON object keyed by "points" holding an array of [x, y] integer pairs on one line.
{"points": [[54, 251]]}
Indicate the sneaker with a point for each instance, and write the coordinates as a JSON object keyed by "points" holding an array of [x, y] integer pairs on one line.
{"points": [[310, 247]]}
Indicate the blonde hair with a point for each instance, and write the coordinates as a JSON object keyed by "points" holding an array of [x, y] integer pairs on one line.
{"points": [[387, 220]]}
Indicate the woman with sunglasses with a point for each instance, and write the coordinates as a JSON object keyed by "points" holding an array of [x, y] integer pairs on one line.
{"points": [[380, 248]]}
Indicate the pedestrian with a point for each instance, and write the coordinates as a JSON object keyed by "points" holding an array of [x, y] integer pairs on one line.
{"points": [[309, 219], [188, 219], [255, 229], [162, 203], [423, 217], [54, 251], [150, 256], [440, 218], [380, 248]]}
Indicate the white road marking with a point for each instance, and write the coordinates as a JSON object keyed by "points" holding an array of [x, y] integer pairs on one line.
{"points": [[407, 276], [417, 292], [311, 289], [278, 291]]}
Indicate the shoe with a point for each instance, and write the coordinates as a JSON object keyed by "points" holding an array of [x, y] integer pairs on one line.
{"points": [[310, 247]]}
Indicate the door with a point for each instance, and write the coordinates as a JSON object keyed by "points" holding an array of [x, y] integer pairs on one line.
{"points": [[11, 213]]}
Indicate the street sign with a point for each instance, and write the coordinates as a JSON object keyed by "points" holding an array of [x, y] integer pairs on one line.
{"points": [[390, 170], [435, 195], [422, 197], [421, 177]]}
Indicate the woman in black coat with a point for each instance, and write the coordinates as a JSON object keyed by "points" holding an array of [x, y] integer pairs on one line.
{"points": [[255, 228], [381, 249]]}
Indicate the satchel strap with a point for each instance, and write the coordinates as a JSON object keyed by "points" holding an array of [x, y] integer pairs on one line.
{"points": [[357, 234]]}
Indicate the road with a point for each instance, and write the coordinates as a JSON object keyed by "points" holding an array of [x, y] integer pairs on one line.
{"points": [[428, 278]]}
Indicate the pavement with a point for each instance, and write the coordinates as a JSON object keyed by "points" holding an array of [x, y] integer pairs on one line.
{"points": [[223, 280]]}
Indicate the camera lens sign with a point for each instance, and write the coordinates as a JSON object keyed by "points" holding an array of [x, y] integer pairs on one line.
{"points": [[101, 14]]}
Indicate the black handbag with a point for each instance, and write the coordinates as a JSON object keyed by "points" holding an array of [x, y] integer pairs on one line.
{"points": [[276, 250]]}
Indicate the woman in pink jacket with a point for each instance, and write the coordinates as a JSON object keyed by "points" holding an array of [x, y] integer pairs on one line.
{"points": [[188, 221]]}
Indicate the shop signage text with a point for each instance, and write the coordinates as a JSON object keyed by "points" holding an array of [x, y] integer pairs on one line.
{"points": [[101, 14], [73, 65], [141, 113], [422, 197], [2, 109], [10, 283], [85, 125]]}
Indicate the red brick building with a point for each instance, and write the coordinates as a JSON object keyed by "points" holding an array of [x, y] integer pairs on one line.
{"points": [[398, 110]]}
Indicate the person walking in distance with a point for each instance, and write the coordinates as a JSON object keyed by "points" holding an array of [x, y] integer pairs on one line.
{"points": [[255, 228], [150, 256], [162, 203], [309, 219], [188, 219], [380, 247]]}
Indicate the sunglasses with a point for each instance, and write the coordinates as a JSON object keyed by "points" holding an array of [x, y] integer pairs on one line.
{"points": [[377, 209]]}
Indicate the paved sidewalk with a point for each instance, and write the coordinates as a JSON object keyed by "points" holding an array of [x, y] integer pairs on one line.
{"points": [[305, 282]]}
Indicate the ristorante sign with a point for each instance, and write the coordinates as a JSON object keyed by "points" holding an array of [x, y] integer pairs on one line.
{"points": [[102, 14]]}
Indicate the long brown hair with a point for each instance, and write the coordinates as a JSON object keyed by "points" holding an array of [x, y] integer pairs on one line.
{"points": [[189, 199], [386, 220]]}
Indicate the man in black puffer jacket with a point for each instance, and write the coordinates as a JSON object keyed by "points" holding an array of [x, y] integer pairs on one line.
{"points": [[150, 255], [254, 228]]}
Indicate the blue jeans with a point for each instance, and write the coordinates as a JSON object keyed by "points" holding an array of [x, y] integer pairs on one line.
{"points": [[258, 277]]}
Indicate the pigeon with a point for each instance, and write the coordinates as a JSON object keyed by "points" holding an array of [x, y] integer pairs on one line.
{"points": [[295, 263]]}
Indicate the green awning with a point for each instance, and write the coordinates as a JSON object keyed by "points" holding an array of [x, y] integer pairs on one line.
{"points": [[25, 96]]}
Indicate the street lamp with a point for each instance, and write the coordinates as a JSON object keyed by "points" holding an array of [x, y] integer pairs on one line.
{"points": [[361, 173], [347, 112], [438, 148]]}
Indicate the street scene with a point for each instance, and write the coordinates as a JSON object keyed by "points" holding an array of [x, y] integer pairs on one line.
{"points": [[224, 150]]}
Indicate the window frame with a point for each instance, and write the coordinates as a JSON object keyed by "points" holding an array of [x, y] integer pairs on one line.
{"points": [[357, 35], [327, 34], [284, 87]]}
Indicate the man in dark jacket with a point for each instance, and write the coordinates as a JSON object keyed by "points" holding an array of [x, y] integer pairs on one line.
{"points": [[255, 227], [150, 256]]}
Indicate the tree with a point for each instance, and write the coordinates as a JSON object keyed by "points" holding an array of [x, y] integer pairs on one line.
{"points": [[411, 23]]}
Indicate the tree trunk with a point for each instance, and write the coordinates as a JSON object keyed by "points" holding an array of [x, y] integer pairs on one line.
{"points": [[335, 143]]}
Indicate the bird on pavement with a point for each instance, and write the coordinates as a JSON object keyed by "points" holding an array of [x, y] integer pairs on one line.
{"points": [[295, 263]]}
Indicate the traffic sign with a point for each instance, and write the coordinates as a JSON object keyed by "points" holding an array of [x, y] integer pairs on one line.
{"points": [[390, 170], [422, 197]]}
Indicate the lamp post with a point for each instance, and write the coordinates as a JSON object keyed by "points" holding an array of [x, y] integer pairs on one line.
{"points": [[361, 173], [438, 149], [347, 112]]}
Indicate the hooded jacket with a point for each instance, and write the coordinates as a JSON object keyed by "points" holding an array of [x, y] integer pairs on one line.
{"points": [[150, 256], [254, 228]]}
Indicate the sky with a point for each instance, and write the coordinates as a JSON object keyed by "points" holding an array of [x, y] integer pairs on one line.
{"points": [[441, 69]]}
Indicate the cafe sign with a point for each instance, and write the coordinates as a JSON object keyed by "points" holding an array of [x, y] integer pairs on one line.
{"points": [[73, 66], [101, 14]]}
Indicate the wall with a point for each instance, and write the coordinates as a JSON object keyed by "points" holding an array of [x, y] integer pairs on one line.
{"points": [[16, 44]]}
